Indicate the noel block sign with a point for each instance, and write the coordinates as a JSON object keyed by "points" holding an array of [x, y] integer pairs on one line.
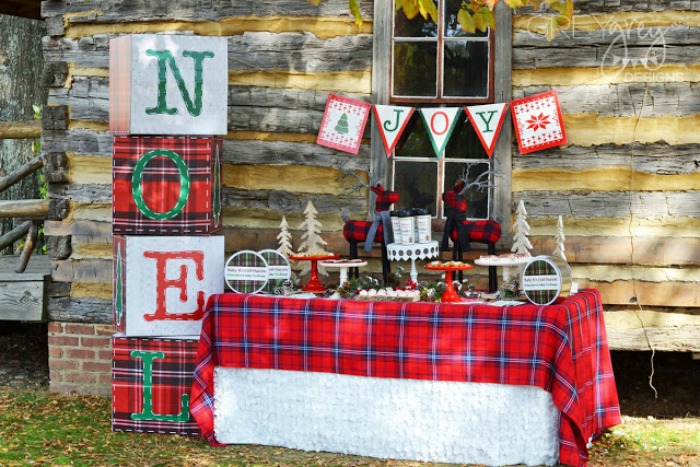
{"points": [[166, 185], [168, 84], [151, 381], [162, 284]]}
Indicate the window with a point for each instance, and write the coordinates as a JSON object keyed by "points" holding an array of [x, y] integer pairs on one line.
{"points": [[422, 63]]}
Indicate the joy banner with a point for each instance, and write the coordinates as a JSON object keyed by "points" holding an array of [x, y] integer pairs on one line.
{"points": [[537, 120]]}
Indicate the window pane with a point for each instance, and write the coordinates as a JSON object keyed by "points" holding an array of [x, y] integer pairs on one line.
{"points": [[464, 143], [452, 27], [477, 197], [415, 69], [416, 27], [415, 182], [466, 67]]}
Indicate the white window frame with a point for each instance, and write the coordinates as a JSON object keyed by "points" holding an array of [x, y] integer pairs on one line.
{"points": [[500, 208]]}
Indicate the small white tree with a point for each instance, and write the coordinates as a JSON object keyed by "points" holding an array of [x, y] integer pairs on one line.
{"points": [[285, 238], [559, 250], [312, 243], [521, 229]]}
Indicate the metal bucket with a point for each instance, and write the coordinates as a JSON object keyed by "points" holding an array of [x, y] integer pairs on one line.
{"points": [[546, 278]]}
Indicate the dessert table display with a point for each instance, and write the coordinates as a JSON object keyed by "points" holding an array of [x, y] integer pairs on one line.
{"points": [[464, 383], [412, 252]]}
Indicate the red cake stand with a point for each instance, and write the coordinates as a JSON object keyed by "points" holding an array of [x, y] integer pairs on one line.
{"points": [[314, 285], [450, 295]]}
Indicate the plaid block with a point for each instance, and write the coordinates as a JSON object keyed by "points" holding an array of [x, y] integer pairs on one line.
{"points": [[168, 84], [151, 381], [356, 231], [484, 231], [166, 185], [560, 348], [161, 284]]}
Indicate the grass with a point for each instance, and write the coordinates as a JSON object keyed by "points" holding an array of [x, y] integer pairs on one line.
{"points": [[42, 429]]}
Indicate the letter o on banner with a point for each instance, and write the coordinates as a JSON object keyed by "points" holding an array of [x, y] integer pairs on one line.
{"points": [[184, 184], [446, 123]]}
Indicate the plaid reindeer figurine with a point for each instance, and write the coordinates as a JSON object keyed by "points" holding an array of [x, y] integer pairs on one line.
{"points": [[369, 232]]}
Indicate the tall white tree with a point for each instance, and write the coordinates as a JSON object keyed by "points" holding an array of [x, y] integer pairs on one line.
{"points": [[312, 243], [521, 229], [559, 250], [285, 238]]}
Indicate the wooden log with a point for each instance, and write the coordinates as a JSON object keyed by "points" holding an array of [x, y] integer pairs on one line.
{"points": [[55, 167], [59, 247], [79, 141], [636, 250], [15, 234], [659, 158], [79, 310], [623, 99], [25, 208], [100, 194], [284, 201], [639, 329], [21, 173], [662, 294], [112, 11], [28, 247], [94, 271], [55, 117], [30, 129], [602, 179], [22, 300], [257, 51], [609, 204], [612, 32], [83, 230]]}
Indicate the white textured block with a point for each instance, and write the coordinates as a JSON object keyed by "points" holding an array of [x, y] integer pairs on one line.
{"points": [[163, 84], [436, 421], [162, 284]]}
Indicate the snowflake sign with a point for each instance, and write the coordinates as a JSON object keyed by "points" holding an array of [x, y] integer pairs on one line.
{"points": [[343, 124], [538, 122]]}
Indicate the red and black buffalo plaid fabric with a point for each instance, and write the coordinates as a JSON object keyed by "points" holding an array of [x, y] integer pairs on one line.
{"points": [[171, 379], [561, 348], [356, 231], [161, 182], [483, 231]]}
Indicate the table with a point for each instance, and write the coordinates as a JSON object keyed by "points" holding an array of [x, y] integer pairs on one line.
{"points": [[559, 350], [401, 252]]}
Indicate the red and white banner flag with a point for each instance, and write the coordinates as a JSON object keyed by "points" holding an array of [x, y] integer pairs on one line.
{"points": [[391, 121], [440, 121], [538, 122], [487, 121]]}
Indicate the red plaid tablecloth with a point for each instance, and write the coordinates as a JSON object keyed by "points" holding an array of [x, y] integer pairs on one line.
{"points": [[561, 348]]}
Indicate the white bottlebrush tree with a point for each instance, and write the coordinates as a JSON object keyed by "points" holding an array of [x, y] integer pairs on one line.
{"points": [[521, 229], [559, 250]]}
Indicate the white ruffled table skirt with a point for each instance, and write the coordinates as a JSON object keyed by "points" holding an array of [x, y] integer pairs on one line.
{"points": [[436, 421]]}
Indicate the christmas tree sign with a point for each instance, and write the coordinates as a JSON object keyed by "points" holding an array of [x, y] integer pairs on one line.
{"points": [[343, 124], [538, 122]]}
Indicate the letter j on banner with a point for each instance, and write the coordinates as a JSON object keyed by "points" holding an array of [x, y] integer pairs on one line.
{"points": [[440, 121], [391, 122]]}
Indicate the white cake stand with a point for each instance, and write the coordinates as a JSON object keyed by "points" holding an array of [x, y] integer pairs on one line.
{"points": [[342, 265], [506, 265], [400, 252]]}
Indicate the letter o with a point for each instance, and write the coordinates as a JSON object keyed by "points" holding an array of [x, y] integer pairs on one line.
{"points": [[184, 184], [432, 123]]}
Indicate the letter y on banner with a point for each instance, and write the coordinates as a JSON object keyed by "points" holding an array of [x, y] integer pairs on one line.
{"points": [[440, 121], [391, 121], [487, 121]]}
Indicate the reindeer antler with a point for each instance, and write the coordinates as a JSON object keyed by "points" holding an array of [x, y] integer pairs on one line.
{"points": [[349, 173], [481, 182]]}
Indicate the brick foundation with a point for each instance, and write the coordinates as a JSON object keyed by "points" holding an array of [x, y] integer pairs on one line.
{"points": [[80, 358]]}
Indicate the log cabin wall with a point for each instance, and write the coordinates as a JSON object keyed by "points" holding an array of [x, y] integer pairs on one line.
{"points": [[626, 184]]}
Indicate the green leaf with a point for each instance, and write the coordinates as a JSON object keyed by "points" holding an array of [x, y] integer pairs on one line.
{"points": [[428, 8], [466, 21], [483, 19], [354, 6], [314, 2]]}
